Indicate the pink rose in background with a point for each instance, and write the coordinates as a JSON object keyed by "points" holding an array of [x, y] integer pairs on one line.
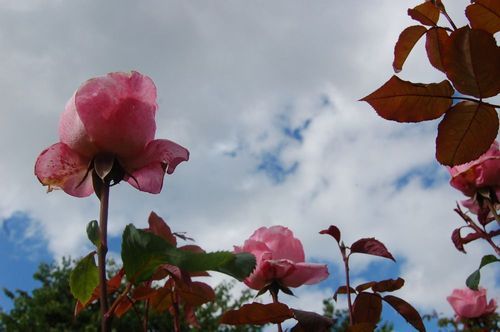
{"points": [[480, 173], [114, 116], [483, 172], [280, 257], [468, 303]]}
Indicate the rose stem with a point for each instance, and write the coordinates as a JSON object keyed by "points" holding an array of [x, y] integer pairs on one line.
{"points": [[175, 306], [274, 294], [103, 249], [478, 230], [347, 282]]}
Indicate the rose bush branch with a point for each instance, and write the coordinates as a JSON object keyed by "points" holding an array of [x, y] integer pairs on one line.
{"points": [[107, 135], [468, 56], [365, 313]]}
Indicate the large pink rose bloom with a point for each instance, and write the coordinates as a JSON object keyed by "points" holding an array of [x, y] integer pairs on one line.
{"points": [[280, 258], [112, 115], [468, 303]]}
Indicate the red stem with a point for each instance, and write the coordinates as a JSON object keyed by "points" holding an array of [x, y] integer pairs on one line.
{"points": [[348, 285], [478, 230], [175, 306], [274, 295], [102, 250], [146, 316]]}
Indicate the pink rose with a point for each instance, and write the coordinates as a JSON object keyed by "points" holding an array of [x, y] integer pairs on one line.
{"points": [[111, 116], [468, 303], [483, 172], [280, 257]]}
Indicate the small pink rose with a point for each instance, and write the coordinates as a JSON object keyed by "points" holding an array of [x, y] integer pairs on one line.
{"points": [[112, 115], [480, 174], [468, 303], [280, 258], [483, 172]]}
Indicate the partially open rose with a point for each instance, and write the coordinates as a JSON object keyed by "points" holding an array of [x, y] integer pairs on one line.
{"points": [[468, 303], [480, 174], [112, 118], [280, 258]]}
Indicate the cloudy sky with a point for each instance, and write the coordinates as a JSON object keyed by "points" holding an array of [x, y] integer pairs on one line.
{"points": [[264, 95]]}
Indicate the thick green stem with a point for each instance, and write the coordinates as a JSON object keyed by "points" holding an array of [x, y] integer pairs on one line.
{"points": [[103, 249]]}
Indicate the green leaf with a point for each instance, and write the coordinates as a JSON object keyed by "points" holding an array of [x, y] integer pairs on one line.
{"points": [[240, 266], [93, 232], [473, 280], [84, 278], [144, 252]]}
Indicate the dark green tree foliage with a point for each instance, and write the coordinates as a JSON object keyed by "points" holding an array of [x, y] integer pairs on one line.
{"points": [[50, 308]]}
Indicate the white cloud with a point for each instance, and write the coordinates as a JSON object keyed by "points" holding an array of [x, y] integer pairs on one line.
{"points": [[226, 72]]}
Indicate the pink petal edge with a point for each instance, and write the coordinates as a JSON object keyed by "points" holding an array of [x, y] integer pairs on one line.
{"points": [[59, 167]]}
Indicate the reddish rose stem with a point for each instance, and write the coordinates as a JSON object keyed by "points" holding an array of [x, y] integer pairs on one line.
{"points": [[103, 249], [176, 312], [274, 294], [478, 230], [348, 284]]}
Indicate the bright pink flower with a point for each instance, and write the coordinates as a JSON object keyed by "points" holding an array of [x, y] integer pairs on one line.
{"points": [[468, 303], [280, 258], [113, 116]]}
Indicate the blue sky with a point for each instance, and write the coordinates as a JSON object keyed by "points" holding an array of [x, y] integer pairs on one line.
{"points": [[264, 95]]}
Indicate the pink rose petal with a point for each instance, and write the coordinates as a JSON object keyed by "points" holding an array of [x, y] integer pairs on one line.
{"points": [[118, 112], [306, 273], [59, 167], [281, 242], [147, 169]]}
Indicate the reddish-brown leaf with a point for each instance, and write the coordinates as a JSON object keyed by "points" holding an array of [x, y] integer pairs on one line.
{"points": [[196, 293], [258, 314], [484, 15], [365, 286], [332, 231], [456, 238], [472, 62], [388, 285], [159, 227], [367, 308], [311, 321], [143, 293], [426, 13], [371, 246], [343, 290], [407, 39], [406, 311], [465, 133], [123, 306], [162, 299], [405, 101], [190, 316], [192, 248], [435, 43], [362, 327]]}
